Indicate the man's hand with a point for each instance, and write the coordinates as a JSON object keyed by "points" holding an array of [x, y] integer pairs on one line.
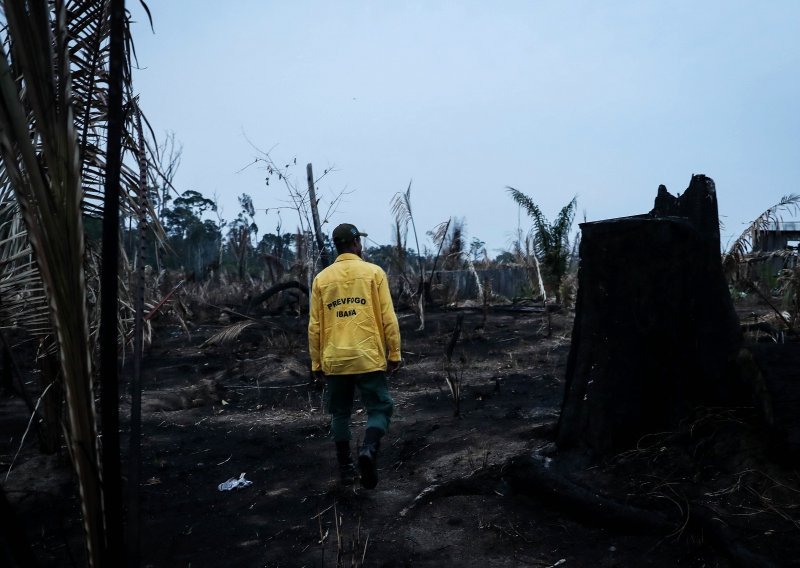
{"points": [[393, 366], [319, 377]]}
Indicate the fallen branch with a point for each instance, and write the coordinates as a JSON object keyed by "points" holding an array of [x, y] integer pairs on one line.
{"points": [[28, 429], [164, 300], [294, 386]]}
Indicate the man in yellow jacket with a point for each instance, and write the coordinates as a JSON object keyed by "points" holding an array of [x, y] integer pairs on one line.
{"points": [[354, 342]]}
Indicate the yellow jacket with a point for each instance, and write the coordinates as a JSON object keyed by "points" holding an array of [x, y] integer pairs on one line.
{"points": [[352, 327]]}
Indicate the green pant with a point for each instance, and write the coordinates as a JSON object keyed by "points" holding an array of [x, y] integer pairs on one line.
{"points": [[374, 394]]}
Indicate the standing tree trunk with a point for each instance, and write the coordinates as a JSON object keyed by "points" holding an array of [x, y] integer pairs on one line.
{"points": [[113, 552], [655, 330], [312, 195], [135, 446], [52, 404]]}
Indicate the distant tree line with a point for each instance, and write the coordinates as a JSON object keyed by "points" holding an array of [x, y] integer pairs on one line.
{"points": [[200, 244]]}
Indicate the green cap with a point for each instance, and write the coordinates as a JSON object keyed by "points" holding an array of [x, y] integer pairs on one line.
{"points": [[346, 233]]}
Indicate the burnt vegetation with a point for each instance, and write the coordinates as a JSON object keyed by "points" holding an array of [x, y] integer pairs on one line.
{"points": [[620, 395]]}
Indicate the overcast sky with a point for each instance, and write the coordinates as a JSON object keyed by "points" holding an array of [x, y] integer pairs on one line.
{"points": [[603, 100]]}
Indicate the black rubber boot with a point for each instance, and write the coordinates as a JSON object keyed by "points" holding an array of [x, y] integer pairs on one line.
{"points": [[368, 458], [347, 469]]}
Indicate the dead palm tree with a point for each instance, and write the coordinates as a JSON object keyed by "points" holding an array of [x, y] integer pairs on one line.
{"points": [[454, 253], [739, 249], [550, 240], [401, 209], [741, 252], [55, 110]]}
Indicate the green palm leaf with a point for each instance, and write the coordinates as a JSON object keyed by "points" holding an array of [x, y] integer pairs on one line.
{"points": [[550, 240]]}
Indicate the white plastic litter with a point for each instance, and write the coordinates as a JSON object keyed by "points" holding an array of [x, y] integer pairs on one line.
{"points": [[234, 483]]}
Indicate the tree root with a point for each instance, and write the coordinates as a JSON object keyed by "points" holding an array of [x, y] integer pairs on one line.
{"points": [[529, 476], [526, 475], [480, 482]]}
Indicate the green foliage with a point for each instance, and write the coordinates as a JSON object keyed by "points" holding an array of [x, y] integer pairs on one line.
{"points": [[279, 246], [384, 256], [392, 259], [505, 257], [454, 246], [550, 240], [276, 252], [192, 242], [93, 228], [186, 213], [242, 233], [477, 249]]}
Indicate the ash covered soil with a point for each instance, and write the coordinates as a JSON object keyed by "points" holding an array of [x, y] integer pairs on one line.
{"points": [[214, 411]]}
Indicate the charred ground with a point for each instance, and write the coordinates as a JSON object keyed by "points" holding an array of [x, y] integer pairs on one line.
{"points": [[448, 494]]}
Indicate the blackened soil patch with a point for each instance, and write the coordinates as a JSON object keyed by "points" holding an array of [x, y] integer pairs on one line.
{"points": [[215, 411]]}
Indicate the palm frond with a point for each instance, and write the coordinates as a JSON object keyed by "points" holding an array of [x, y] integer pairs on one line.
{"points": [[400, 235], [739, 248], [543, 241], [41, 157], [530, 207], [228, 334], [401, 207], [53, 128], [455, 244], [438, 235], [439, 232], [85, 69], [564, 220]]}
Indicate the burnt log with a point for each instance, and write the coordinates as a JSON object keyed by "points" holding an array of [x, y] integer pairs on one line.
{"points": [[272, 290], [655, 331]]}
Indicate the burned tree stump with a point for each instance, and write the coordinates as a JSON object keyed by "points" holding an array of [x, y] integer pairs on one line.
{"points": [[655, 332]]}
